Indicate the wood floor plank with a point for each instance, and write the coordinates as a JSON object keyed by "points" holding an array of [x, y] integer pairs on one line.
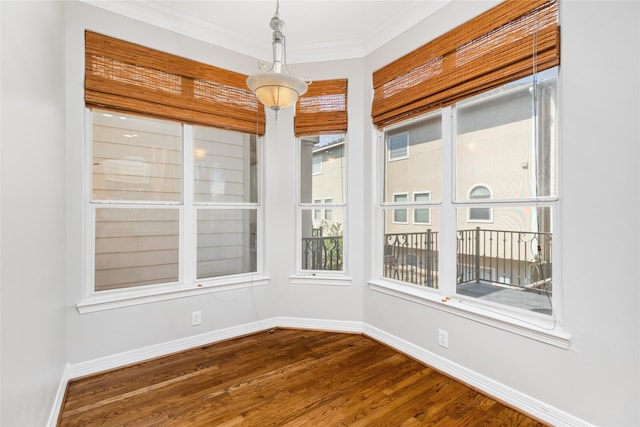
{"points": [[282, 377]]}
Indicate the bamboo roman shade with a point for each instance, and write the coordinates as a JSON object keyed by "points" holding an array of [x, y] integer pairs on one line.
{"points": [[323, 109], [510, 41], [127, 77]]}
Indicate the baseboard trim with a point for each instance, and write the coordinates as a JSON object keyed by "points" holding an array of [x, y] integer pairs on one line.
{"points": [[135, 356], [523, 402], [59, 399], [499, 391], [344, 326]]}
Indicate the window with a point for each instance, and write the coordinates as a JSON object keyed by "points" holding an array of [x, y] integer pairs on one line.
{"points": [[142, 206], [321, 125], [400, 215], [421, 215], [328, 213], [507, 139], [225, 199], [498, 187], [172, 206], [317, 213], [136, 191], [398, 146], [479, 192], [499, 122], [411, 250], [322, 209]]}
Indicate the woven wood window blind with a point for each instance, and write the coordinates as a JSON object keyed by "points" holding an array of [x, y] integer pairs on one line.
{"points": [[323, 109], [131, 78], [503, 44]]}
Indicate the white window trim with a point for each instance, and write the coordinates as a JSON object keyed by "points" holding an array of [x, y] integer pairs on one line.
{"points": [[534, 327], [165, 292], [413, 217], [188, 284], [321, 277], [543, 328]]}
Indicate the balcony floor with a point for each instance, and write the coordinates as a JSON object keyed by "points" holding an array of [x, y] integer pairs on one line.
{"points": [[527, 299]]}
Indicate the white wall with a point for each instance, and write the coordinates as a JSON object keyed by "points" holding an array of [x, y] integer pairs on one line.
{"points": [[597, 378], [315, 301], [33, 210]]}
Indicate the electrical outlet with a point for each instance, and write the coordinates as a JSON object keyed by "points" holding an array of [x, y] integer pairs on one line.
{"points": [[196, 318], [443, 338]]}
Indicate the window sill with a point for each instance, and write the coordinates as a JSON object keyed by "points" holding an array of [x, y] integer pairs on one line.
{"points": [[117, 299], [538, 329], [320, 279]]}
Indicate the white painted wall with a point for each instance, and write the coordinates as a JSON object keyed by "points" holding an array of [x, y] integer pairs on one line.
{"points": [[597, 378], [311, 300], [33, 210]]}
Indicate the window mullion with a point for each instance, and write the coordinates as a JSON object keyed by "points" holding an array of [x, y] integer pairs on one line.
{"points": [[188, 256], [447, 210]]}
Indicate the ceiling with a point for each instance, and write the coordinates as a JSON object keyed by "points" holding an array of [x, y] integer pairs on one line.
{"points": [[315, 30]]}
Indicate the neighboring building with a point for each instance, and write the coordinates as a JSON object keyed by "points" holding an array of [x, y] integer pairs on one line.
{"points": [[328, 169]]}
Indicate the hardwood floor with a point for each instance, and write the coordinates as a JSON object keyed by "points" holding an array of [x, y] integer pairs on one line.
{"points": [[285, 378]]}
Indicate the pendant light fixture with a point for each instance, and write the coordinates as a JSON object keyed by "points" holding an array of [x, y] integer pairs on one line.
{"points": [[274, 86]]}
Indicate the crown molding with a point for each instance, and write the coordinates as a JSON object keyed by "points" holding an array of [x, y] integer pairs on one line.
{"points": [[155, 13]]}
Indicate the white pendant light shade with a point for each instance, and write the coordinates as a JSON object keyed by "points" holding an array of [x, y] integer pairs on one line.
{"points": [[277, 90], [273, 87]]}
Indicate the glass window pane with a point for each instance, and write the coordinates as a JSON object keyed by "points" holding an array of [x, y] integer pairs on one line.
{"points": [[322, 168], [136, 158], [136, 247], [422, 170], [421, 215], [398, 146], [509, 261], [506, 139], [322, 241], [225, 166], [411, 253], [226, 242], [400, 215], [480, 215]]}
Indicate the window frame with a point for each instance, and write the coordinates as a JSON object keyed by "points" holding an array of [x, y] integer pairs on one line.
{"points": [[317, 212], [540, 327], [399, 210], [321, 277], [187, 283], [416, 209], [407, 144], [328, 212], [477, 199]]}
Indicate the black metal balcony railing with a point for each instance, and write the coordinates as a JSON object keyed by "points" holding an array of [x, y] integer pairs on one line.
{"points": [[322, 253], [412, 257], [516, 258]]}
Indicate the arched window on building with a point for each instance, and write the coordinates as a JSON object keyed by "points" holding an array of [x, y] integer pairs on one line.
{"points": [[480, 192]]}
